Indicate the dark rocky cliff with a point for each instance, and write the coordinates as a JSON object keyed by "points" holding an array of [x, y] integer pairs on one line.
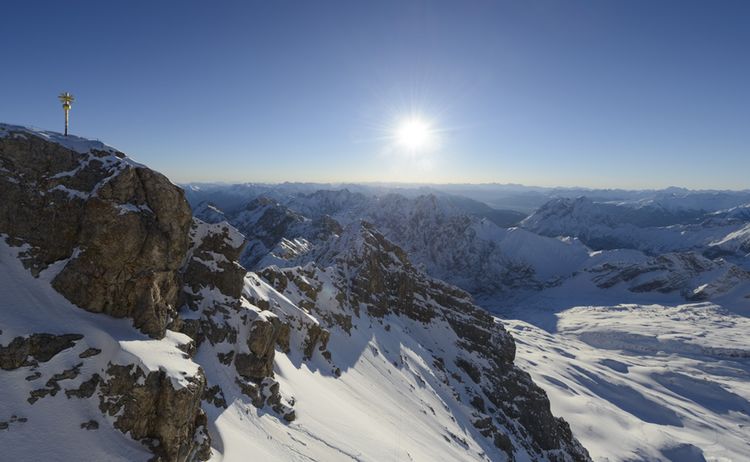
{"points": [[116, 234], [122, 227]]}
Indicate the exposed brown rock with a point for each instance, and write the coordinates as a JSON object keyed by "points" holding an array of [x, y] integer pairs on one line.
{"points": [[90, 352], [316, 336], [123, 226], [257, 363], [86, 389], [150, 408], [29, 351]]}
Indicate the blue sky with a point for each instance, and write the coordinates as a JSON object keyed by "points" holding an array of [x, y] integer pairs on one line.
{"points": [[601, 93]]}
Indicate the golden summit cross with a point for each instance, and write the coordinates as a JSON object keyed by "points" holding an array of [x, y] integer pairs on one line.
{"points": [[66, 99]]}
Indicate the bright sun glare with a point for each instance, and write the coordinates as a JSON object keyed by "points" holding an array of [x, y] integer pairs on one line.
{"points": [[414, 134]]}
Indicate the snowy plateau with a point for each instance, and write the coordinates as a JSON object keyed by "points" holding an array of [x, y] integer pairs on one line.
{"points": [[142, 320]]}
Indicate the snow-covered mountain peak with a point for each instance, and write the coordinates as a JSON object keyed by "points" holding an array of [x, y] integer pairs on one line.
{"points": [[209, 212], [563, 211], [71, 142]]}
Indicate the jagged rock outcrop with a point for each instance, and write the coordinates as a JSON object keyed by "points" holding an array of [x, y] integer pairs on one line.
{"points": [[275, 233], [257, 362], [121, 227], [213, 258], [216, 316], [165, 417], [365, 276]]}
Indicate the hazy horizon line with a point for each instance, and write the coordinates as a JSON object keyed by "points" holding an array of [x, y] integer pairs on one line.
{"points": [[459, 184]]}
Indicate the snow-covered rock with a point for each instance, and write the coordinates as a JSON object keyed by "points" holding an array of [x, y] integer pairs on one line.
{"points": [[736, 242], [209, 213], [473, 253], [121, 227], [689, 274]]}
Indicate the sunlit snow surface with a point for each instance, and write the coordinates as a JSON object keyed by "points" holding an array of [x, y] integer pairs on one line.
{"points": [[651, 382], [53, 430]]}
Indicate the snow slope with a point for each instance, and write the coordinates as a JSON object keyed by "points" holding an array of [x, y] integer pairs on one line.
{"points": [[646, 378], [387, 404], [646, 382], [44, 430]]}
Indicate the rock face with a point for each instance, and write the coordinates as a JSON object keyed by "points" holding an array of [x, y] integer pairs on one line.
{"points": [[110, 236], [213, 258], [257, 363], [122, 227], [217, 317], [168, 419]]}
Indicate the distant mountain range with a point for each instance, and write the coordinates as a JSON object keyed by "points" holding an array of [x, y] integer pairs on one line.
{"points": [[453, 239], [594, 286], [524, 199]]}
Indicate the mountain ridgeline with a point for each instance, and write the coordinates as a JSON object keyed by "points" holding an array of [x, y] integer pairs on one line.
{"points": [[699, 254], [131, 328]]}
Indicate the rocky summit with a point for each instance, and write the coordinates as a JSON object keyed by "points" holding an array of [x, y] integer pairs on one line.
{"points": [[121, 227], [130, 328]]}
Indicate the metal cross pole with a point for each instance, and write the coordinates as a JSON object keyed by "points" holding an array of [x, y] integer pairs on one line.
{"points": [[66, 99]]}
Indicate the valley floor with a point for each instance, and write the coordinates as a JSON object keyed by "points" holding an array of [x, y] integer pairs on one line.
{"points": [[652, 382]]}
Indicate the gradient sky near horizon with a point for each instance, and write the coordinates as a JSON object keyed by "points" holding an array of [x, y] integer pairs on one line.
{"points": [[598, 93]]}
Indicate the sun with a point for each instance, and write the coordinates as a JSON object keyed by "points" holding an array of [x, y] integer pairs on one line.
{"points": [[414, 134]]}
